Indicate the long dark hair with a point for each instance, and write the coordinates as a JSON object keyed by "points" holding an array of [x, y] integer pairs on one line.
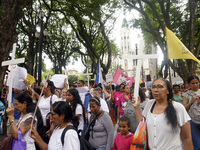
{"points": [[51, 84], [141, 94], [192, 77], [170, 110], [30, 108], [62, 107], [77, 100]]}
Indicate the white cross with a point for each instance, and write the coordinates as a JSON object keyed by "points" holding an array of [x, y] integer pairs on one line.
{"points": [[12, 62], [88, 77], [138, 69]]}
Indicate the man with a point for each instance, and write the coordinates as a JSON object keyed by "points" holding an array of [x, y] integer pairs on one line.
{"points": [[80, 83], [177, 94], [97, 93]]}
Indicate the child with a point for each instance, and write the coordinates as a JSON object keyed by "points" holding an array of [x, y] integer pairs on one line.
{"points": [[124, 138]]}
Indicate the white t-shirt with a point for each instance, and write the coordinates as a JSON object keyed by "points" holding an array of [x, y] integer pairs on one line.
{"points": [[79, 110], [71, 140], [44, 105], [30, 145], [160, 133]]}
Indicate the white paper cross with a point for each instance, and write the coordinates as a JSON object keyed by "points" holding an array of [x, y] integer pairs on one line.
{"points": [[88, 77], [138, 69], [12, 62]]}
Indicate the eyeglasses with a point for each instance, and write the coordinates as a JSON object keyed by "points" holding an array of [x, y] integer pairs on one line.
{"points": [[157, 86]]}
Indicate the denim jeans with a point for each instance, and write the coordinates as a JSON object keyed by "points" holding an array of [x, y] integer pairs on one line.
{"points": [[102, 148], [195, 129]]}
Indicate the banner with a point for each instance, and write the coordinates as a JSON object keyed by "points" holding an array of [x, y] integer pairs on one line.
{"points": [[30, 79], [120, 77], [58, 80], [19, 75]]}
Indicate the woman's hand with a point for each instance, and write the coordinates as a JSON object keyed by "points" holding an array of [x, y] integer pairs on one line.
{"points": [[34, 134], [194, 98], [26, 82], [126, 97], [10, 111], [136, 105]]}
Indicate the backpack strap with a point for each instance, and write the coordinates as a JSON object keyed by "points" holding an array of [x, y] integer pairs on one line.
{"points": [[64, 131]]}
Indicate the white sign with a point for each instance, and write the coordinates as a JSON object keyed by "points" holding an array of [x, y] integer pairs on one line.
{"points": [[58, 80], [82, 91], [109, 77], [19, 75]]}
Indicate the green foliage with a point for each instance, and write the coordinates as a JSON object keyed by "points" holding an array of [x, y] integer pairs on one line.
{"points": [[46, 72], [72, 79]]}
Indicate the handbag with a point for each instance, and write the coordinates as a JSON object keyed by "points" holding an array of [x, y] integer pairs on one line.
{"points": [[194, 112], [194, 109], [7, 143], [19, 144], [48, 120], [139, 141]]}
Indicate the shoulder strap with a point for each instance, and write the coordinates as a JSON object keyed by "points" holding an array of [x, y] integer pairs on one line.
{"points": [[64, 131], [51, 101], [153, 106]]}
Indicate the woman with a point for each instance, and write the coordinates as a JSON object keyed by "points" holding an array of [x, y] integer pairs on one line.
{"points": [[24, 105], [116, 97], [46, 100], [101, 131], [168, 126], [63, 95], [61, 116], [123, 101], [190, 100], [78, 109], [129, 110]]}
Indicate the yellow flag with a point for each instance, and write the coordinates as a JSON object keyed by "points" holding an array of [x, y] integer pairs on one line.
{"points": [[30, 79], [176, 49]]}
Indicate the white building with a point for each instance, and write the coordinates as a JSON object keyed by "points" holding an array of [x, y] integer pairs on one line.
{"points": [[129, 65]]}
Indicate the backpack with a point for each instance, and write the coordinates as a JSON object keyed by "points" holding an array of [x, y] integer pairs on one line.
{"points": [[84, 144]]}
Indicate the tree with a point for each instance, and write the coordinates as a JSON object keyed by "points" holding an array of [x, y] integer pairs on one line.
{"points": [[10, 13], [88, 20], [180, 18], [72, 79]]}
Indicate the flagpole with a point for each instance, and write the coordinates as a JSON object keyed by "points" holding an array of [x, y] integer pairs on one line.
{"points": [[170, 80]]}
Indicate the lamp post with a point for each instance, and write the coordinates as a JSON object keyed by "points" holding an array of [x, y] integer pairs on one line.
{"points": [[41, 15], [37, 35]]}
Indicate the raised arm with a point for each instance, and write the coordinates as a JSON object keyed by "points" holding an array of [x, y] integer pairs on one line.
{"points": [[30, 89], [38, 139], [138, 112], [186, 102]]}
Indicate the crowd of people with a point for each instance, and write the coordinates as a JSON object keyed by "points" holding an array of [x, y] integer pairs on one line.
{"points": [[107, 114]]}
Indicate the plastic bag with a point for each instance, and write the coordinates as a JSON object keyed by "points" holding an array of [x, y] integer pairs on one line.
{"points": [[19, 144], [139, 141]]}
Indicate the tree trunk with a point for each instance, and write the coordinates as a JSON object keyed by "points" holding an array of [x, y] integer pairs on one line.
{"points": [[13, 11]]}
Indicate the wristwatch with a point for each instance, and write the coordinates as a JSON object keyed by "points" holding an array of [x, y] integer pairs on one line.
{"points": [[11, 121]]}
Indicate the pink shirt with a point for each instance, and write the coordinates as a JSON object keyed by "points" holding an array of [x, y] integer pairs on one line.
{"points": [[116, 97], [122, 103], [123, 142]]}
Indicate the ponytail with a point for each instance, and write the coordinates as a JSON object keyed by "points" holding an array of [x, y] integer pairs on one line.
{"points": [[171, 115]]}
